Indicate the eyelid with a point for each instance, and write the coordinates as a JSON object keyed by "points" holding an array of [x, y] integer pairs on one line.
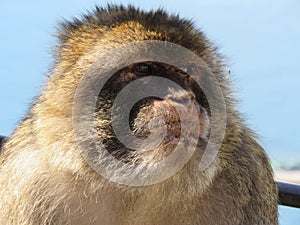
{"points": [[142, 69]]}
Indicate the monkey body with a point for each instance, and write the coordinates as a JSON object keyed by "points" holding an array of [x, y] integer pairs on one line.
{"points": [[45, 180]]}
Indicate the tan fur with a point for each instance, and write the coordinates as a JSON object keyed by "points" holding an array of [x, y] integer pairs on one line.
{"points": [[44, 179]]}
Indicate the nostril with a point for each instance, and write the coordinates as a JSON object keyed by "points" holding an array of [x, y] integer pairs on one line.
{"points": [[182, 97], [182, 101]]}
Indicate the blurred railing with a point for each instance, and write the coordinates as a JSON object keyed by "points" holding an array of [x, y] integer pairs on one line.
{"points": [[289, 194]]}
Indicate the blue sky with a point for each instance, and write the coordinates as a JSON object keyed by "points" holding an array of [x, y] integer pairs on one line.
{"points": [[260, 39]]}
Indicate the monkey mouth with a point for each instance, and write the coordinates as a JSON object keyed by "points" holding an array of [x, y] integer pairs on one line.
{"points": [[161, 118]]}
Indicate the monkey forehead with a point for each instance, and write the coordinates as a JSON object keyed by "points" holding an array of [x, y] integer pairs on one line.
{"points": [[123, 34], [120, 25], [135, 31], [86, 42]]}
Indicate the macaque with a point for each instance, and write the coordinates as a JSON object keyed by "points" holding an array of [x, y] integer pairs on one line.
{"points": [[46, 179]]}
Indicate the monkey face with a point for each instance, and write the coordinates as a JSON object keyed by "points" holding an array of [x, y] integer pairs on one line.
{"points": [[154, 116], [148, 114]]}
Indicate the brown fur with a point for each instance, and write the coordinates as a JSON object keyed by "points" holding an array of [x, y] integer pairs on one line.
{"points": [[44, 180]]}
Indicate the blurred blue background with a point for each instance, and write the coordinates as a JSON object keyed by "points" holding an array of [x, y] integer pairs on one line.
{"points": [[261, 40]]}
